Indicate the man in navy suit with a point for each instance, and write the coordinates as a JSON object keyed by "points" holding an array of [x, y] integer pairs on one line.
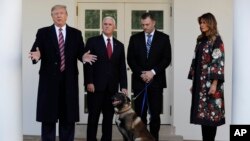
{"points": [[149, 54], [58, 47], [103, 79]]}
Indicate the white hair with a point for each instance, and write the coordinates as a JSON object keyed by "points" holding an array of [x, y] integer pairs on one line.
{"points": [[110, 18]]}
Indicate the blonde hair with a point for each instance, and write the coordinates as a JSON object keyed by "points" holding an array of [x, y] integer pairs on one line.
{"points": [[59, 7]]}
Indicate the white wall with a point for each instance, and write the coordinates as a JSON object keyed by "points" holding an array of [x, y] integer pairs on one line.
{"points": [[10, 72], [36, 14], [241, 74], [186, 30]]}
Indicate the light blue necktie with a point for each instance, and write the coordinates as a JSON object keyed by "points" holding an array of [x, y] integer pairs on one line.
{"points": [[148, 44]]}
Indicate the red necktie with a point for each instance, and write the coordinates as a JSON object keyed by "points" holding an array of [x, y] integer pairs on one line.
{"points": [[61, 48], [109, 48]]}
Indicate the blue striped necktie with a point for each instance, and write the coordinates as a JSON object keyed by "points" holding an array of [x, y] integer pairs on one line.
{"points": [[148, 44]]}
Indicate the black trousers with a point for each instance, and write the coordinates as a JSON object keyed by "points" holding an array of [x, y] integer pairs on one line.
{"points": [[66, 128], [66, 131], [153, 105], [208, 132], [100, 102]]}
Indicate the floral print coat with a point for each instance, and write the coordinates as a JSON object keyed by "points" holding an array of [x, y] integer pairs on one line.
{"points": [[207, 65]]}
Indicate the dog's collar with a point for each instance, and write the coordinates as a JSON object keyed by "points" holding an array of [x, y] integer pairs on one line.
{"points": [[123, 110]]}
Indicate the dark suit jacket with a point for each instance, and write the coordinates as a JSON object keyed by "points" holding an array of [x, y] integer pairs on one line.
{"points": [[159, 59], [48, 90], [106, 73]]}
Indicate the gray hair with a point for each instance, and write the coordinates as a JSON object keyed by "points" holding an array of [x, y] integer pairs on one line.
{"points": [[59, 7], [110, 18]]}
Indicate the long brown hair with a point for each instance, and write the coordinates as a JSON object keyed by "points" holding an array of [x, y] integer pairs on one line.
{"points": [[212, 25]]}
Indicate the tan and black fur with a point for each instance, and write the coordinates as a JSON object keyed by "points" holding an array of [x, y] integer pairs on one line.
{"points": [[129, 124]]}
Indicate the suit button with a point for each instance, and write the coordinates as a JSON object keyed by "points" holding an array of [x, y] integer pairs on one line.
{"points": [[55, 63]]}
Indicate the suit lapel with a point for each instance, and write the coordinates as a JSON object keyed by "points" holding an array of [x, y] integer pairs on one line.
{"points": [[115, 47], [153, 44], [67, 39], [103, 46], [54, 37], [142, 40], [155, 37]]}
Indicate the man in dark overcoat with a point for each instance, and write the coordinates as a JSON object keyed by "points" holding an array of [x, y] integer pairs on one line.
{"points": [[58, 47]]}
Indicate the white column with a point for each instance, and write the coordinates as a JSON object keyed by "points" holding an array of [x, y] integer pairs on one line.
{"points": [[10, 70], [241, 63]]}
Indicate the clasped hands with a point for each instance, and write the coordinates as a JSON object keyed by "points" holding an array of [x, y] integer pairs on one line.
{"points": [[147, 76]]}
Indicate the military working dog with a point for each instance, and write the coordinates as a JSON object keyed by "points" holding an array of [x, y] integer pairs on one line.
{"points": [[129, 124]]}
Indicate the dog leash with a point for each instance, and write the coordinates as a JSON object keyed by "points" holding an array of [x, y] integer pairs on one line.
{"points": [[145, 95], [146, 86], [144, 99]]}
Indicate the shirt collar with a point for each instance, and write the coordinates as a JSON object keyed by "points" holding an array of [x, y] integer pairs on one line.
{"points": [[63, 27], [106, 37], [152, 33]]}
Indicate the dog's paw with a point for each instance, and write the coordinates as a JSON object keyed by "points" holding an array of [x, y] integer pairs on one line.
{"points": [[138, 139], [118, 122]]}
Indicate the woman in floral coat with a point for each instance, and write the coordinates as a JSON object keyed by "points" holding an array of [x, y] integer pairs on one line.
{"points": [[207, 73]]}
